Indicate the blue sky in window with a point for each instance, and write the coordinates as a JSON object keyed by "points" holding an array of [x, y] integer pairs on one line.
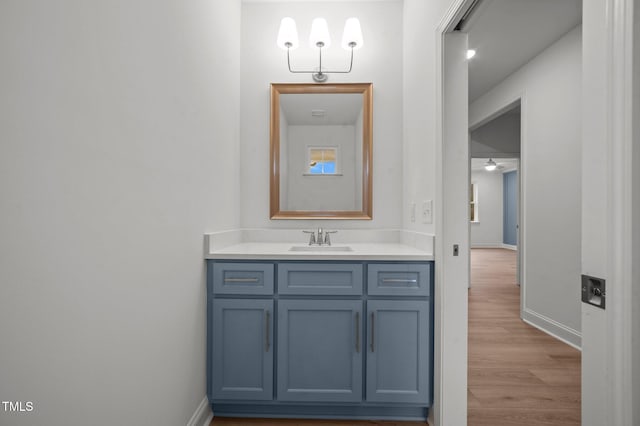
{"points": [[323, 168]]}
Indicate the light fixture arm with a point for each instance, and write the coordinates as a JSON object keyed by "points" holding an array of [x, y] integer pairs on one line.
{"points": [[319, 76]]}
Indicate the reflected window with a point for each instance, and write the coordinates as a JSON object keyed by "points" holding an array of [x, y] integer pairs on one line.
{"points": [[473, 202], [323, 161]]}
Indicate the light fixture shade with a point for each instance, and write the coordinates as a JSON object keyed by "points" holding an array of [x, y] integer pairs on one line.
{"points": [[319, 33], [490, 165], [352, 34], [288, 33]]}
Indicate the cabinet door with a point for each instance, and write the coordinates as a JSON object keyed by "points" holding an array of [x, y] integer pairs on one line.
{"points": [[320, 350], [398, 353], [242, 352]]}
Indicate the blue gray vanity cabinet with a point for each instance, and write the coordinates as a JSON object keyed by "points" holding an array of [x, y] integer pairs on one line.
{"points": [[242, 356], [398, 355], [319, 350], [317, 339]]}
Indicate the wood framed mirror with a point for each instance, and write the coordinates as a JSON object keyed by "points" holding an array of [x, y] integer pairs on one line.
{"points": [[321, 151]]}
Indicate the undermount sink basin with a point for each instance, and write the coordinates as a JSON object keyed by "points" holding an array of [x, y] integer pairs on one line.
{"points": [[321, 248]]}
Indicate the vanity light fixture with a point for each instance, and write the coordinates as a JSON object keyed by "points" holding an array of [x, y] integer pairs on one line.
{"points": [[490, 165], [319, 38]]}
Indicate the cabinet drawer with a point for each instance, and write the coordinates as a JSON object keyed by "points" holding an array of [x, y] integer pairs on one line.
{"points": [[397, 279], [242, 278], [320, 278]]}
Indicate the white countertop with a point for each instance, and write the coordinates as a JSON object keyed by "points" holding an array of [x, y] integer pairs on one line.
{"points": [[280, 250]]}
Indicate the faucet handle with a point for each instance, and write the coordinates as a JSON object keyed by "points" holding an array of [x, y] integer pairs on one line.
{"points": [[327, 240], [312, 237]]}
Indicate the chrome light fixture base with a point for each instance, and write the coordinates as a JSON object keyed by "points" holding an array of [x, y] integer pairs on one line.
{"points": [[320, 77]]}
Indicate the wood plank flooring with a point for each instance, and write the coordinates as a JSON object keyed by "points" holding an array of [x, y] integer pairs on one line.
{"points": [[295, 422], [517, 374]]}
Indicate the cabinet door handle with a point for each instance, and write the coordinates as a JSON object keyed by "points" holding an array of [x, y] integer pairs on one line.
{"points": [[400, 280], [267, 344], [373, 333], [240, 280], [357, 332]]}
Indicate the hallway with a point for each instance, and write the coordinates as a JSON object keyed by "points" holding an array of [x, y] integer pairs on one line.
{"points": [[518, 375]]}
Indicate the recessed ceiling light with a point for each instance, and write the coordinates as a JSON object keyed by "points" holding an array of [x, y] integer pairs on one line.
{"points": [[471, 53]]}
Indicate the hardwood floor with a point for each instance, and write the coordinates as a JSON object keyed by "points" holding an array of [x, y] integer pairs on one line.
{"points": [[295, 422], [517, 374]]}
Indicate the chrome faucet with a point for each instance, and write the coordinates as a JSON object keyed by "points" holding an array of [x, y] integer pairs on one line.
{"points": [[327, 240], [312, 237], [321, 238]]}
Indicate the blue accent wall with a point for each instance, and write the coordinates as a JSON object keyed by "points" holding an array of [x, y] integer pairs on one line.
{"points": [[510, 208]]}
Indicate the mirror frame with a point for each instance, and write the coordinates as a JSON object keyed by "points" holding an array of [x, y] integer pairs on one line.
{"points": [[366, 89]]}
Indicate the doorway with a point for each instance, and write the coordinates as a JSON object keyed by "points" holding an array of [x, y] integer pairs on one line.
{"points": [[495, 189], [550, 143]]}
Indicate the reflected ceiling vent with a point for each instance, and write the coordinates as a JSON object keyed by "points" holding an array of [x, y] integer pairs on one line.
{"points": [[318, 113]]}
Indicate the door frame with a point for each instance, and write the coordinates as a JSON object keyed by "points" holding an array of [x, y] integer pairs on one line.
{"points": [[616, 25], [475, 122], [619, 313], [450, 324]]}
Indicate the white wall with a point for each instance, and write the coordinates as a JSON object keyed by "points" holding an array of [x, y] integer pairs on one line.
{"points": [[487, 232], [421, 109], [498, 138], [358, 156], [378, 61], [284, 158], [118, 151], [636, 212], [421, 19], [550, 87], [321, 192]]}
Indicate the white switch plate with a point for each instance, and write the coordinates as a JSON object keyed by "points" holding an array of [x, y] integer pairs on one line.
{"points": [[412, 209], [427, 211]]}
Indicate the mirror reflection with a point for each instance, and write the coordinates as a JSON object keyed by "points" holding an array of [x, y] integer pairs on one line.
{"points": [[321, 149]]}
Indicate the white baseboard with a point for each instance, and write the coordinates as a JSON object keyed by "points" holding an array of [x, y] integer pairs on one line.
{"points": [[486, 245], [553, 328], [202, 415], [494, 245]]}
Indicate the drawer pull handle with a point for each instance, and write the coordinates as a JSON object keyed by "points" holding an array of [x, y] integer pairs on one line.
{"points": [[357, 332], [400, 280], [373, 333], [266, 331], [240, 280]]}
